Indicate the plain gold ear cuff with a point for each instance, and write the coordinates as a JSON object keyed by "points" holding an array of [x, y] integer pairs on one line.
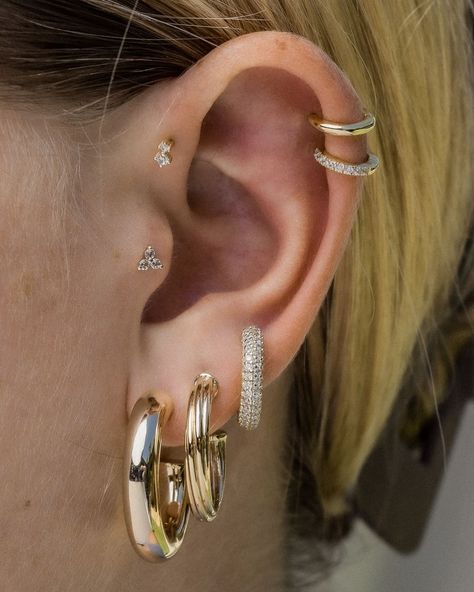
{"points": [[155, 504], [358, 128], [205, 454]]}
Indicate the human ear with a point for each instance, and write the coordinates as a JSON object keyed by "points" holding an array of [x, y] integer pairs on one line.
{"points": [[249, 227]]}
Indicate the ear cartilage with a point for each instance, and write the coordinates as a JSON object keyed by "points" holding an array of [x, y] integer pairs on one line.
{"points": [[163, 157], [150, 260], [252, 378], [337, 165]]}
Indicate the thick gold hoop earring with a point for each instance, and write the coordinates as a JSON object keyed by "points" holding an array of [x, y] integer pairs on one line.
{"points": [[155, 504], [205, 454]]}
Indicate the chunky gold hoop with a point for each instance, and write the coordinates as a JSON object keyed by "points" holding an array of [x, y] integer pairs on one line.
{"points": [[155, 504], [205, 454], [343, 129], [343, 167]]}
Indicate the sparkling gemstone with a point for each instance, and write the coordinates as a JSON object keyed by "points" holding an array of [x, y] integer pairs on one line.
{"points": [[150, 253], [163, 159], [143, 265], [164, 147], [156, 263]]}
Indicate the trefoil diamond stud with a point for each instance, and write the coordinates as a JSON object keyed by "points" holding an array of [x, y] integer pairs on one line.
{"points": [[163, 157], [252, 378], [150, 260]]}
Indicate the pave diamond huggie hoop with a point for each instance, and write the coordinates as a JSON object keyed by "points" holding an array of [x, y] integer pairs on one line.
{"points": [[252, 378]]}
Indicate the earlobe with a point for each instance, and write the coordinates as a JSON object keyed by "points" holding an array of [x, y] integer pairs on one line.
{"points": [[258, 225]]}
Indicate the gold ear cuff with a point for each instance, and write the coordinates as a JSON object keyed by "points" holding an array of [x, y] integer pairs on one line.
{"points": [[335, 164], [358, 128]]}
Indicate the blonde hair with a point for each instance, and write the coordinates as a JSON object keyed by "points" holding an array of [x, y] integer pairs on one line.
{"points": [[410, 62]]}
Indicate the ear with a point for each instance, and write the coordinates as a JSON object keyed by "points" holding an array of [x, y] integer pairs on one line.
{"points": [[249, 227]]}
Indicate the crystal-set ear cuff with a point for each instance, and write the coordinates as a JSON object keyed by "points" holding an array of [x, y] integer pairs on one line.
{"points": [[335, 164]]}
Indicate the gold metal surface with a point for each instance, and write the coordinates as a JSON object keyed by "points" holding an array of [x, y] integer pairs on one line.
{"points": [[155, 504], [205, 454], [343, 129]]}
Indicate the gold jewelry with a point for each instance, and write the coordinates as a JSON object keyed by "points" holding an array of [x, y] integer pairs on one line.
{"points": [[343, 129], [150, 260], [156, 515], [163, 157], [347, 168], [205, 454], [252, 378]]}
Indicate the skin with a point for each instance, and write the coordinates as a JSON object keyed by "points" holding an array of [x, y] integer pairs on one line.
{"points": [[249, 229]]}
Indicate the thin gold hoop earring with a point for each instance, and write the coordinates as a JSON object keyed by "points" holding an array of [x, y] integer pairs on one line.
{"points": [[205, 454], [155, 504], [333, 128]]}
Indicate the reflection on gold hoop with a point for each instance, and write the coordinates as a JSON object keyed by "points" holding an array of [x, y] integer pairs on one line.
{"points": [[205, 454], [155, 505]]}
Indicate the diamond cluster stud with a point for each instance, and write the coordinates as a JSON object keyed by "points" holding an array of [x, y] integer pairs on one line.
{"points": [[163, 156], [252, 378], [150, 261], [347, 168]]}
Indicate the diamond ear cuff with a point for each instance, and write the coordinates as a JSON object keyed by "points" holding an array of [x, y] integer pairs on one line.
{"points": [[252, 378], [337, 165], [333, 128], [150, 260]]}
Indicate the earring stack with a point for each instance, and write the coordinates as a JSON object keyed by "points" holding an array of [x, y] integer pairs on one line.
{"points": [[159, 496], [333, 128]]}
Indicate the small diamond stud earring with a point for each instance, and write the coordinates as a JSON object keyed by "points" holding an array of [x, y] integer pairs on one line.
{"points": [[163, 156], [150, 261]]}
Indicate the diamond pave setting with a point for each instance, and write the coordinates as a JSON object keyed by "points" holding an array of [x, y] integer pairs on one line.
{"points": [[346, 168], [252, 378], [163, 156], [150, 260]]}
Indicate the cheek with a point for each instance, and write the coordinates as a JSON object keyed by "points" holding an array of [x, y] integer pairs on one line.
{"points": [[33, 193]]}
